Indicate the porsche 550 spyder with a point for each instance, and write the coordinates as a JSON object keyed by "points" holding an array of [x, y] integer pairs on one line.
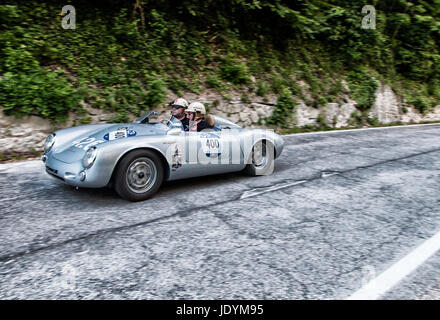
{"points": [[135, 158]]}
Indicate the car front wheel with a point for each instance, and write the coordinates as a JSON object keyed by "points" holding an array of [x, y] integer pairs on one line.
{"points": [[139, 175]]}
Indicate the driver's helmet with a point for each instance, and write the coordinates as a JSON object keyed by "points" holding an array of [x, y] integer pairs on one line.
{"points": [[180, 102]]}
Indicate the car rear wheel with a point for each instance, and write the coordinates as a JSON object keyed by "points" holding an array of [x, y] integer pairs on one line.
{"points": [[261, 159], [139, 175]]}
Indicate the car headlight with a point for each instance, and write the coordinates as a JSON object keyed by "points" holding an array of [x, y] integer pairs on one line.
{"points": [[89, 157], [48, 144]]}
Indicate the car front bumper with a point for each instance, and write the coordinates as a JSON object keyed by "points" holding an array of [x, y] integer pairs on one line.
{"points": [[74, 174]]}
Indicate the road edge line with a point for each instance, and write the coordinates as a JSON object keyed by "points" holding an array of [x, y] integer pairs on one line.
{"points": [[374, 289], [360, 129]]}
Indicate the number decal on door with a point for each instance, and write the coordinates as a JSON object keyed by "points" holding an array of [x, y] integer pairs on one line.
{"points": [[211, 144]]}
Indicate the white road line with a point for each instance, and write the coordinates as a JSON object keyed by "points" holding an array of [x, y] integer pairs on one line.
{"points": [[326, 174], [258, 191], [389, 278], [361, 129]]}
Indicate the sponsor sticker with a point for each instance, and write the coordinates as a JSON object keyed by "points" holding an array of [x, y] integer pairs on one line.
{"points": [[119, 134]]}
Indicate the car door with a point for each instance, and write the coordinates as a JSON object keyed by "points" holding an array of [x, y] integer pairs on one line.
{"points": [[208, 152], [218, 152]]}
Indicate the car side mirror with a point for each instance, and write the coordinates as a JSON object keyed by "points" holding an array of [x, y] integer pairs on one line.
{"points": [[174, 132]]}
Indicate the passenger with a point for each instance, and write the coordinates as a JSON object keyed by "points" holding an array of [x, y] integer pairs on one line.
{"points": [[198, 118], [179, 118]]}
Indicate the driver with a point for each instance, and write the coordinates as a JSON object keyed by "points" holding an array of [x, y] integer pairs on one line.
{"points": [[179, 118], [198, 119]]}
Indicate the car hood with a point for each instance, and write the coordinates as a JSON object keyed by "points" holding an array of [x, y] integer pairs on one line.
{"points": [[75, 141]]}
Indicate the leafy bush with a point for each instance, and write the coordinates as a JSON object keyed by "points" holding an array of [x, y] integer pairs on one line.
{"points": [[212, 81], [215, 103], [404, 109], [283, 110], [245, 98], [155, 92], [422, 104], [278, 84], [121, 117], [373, 121], [45, 94], [320, 120], [234, 71], [363, 88], [85, 120], [262, 88]]}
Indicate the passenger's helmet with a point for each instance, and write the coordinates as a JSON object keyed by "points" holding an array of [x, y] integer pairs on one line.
{"points": [[180, 102], [196, 107]]}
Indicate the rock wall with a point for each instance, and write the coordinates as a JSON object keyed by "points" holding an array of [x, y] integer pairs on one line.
{"points": [[28, 134], [22, 135], [387, 107]]}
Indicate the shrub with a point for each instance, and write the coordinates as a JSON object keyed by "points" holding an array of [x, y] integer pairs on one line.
{"points": [[234, 71], [45, 94], [213, 81], [320, 120], [155, 92], [322, 101], [357, 117], [245, 98], [283, 110], [421, 103], [85, 120], [262, 88], [121, 117], [373, 121], [363, 88], [175, 85], [278, 84]]}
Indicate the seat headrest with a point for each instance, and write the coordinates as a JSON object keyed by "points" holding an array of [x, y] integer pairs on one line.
{"points": [[209, 120]]}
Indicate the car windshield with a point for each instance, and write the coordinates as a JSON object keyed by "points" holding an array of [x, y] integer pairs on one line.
{"points": [[149, 117]]}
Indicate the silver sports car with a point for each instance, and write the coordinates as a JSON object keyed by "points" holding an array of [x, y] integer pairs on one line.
{"points": [[135, 158]]}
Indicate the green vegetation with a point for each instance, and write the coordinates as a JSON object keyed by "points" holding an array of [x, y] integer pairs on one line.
{"points": [[124, 60], [234, 71], [373, 121], [363, 86], [85, 120], [283, 111], [262, 88], [245, 98]]}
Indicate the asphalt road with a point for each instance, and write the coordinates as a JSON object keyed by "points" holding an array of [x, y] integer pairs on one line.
{"points": [[340, 208]]}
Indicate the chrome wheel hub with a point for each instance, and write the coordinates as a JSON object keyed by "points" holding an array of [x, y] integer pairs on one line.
{"points": [[141, 175]]}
